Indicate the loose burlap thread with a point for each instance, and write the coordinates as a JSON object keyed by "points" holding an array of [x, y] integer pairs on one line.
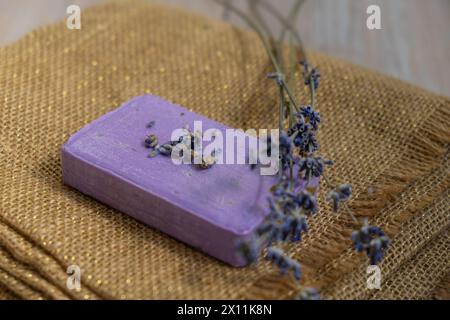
{"points": [[389, 139]]}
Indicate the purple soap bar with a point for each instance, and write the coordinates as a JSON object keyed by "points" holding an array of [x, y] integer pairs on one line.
{"points": [[208, 209]]}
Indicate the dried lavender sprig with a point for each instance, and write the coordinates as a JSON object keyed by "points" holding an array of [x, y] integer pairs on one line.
{"points": [[370, 239], [342, 192], [339, 198], [305, 202], [151, 141], [284, 263], [283, 87]]}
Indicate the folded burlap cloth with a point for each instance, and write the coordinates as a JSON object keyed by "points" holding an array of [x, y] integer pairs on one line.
{"points": [[389, 139]]}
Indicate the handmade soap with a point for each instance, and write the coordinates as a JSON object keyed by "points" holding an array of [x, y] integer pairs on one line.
{"points": [[209, 209]]}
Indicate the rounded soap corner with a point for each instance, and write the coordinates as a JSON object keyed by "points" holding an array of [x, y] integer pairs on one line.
{"points": [[244, 232], [65, 147]]}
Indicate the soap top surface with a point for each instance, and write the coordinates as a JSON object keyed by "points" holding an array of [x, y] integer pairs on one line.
{"points": [[231, 196]]}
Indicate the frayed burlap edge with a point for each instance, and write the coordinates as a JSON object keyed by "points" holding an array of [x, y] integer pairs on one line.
{"points": [[424, 154], [393, 219], [422, 229]]}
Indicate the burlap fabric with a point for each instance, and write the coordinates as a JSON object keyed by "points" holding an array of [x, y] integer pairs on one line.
{"points": [[387, 137]]}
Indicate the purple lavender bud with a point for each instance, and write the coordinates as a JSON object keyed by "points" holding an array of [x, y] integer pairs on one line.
{"points": [[310, 115], [249, 249], [151, 141], [311, 166], [165, 149], [307, 201], [345, 191], [296, 268], [372, 240]]}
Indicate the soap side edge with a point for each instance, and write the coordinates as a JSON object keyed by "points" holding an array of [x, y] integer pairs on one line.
{"points": [[137, 201]]}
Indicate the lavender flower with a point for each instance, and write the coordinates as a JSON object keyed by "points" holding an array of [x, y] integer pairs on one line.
{"points": [[345, 191], [341, 193], [249, 249], [287, 215], [284, 263], [151, 141], [279, 190], [306, 140], [306, 201], [313, 166], [372, 240], [276, 232], [312, 116], [313, 75], [165, 149], [285, 146], [298, 126], [294, 226], [275, 225]]}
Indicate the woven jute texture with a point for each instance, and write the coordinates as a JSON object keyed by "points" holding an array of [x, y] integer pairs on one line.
{"points": [[388, 138], [442, 291]]}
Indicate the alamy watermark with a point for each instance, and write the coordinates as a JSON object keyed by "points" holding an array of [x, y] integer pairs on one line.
{"points": [[74, 19], [74, 279], [374, 277], [373, 21], [229, 146]]}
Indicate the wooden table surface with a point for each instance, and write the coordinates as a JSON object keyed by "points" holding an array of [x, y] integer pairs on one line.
{"points": [[413, 45]]}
